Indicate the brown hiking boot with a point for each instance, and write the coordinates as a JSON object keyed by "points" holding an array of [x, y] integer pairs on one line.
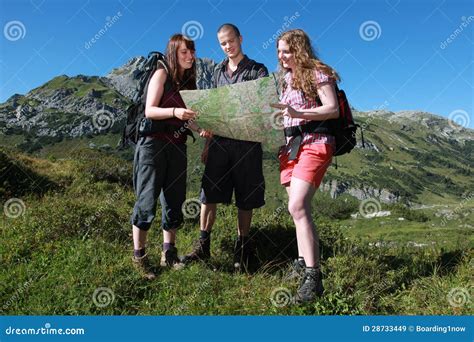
{"points": [[144, 267], [201, 251], [170, 258]]}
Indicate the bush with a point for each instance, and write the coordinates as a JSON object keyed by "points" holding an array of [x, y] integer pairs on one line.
{"points": [[17, 179], [339, 208], [100, 166], [409, 214]]}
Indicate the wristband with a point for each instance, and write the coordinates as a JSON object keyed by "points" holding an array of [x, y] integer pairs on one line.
{"points": [[174, 108]]}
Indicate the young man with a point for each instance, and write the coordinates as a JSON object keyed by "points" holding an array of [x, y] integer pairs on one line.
{"points": [[231, 165]]}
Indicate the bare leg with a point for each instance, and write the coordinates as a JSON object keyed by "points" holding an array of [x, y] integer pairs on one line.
{"points": [[300, 248], [139, 238], [299, 205], [244, 219], [208, 216], [169, 236]]}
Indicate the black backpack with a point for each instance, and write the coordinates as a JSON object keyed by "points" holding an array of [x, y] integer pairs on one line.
{"points": [[344, 127], [136, 111]]}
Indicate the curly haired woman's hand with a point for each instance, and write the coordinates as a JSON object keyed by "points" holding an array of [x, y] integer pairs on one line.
{"points": [[291, 112]]}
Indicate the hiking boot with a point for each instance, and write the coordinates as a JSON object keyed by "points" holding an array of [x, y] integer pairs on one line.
{"points": [[311, 286], [297, 269], [142, 264], [201, 251], [169, 258], [243, 256]]}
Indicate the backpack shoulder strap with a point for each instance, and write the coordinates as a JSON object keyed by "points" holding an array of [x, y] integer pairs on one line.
{"points": [[155, 59]]}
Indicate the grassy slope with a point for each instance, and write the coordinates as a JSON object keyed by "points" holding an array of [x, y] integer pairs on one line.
{"points": [[81, 87], [406, 163], [76, 238]]}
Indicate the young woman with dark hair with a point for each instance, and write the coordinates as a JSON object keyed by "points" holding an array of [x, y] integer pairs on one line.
{"points": [[160, 157]]}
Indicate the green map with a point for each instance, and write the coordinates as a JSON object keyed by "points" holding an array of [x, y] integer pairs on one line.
{"points": [[239, 111]]}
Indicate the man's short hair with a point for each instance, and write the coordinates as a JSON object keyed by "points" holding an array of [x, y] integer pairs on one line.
{"points": [[227, 26]]}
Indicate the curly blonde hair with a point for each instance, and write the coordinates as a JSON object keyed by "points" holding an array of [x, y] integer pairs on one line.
{"points": [[303, 77]]}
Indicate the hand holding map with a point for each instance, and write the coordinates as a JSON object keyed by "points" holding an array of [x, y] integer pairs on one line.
{"points": [[239, 111], [278, 105]]}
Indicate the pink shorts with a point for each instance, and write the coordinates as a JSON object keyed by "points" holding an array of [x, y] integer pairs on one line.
{"points": [[310, 164]]}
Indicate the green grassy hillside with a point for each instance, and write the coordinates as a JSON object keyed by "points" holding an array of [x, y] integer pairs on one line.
{"points": [[71, 241]]}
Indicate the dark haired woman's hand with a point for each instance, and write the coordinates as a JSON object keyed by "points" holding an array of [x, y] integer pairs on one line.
{"points": [[184, 114]]}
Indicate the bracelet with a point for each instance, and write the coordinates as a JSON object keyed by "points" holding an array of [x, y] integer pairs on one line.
{"points": [[174, 108]]}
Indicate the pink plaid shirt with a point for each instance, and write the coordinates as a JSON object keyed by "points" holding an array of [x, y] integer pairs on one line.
{"points": [[296, 99]]}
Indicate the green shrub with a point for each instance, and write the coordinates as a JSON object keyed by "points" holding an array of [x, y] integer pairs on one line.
{"points": [[409, 214], [338, 208], [17, 179], [100, 166]]}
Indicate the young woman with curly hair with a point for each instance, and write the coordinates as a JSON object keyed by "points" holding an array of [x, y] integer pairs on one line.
{"points": [[309, 104]]}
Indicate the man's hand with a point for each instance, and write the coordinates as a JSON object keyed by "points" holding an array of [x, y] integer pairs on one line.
{"points": [[205, 152], [205, 133]]}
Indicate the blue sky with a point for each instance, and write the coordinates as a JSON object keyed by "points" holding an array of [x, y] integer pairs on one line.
{"points": [[393, 54]]}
